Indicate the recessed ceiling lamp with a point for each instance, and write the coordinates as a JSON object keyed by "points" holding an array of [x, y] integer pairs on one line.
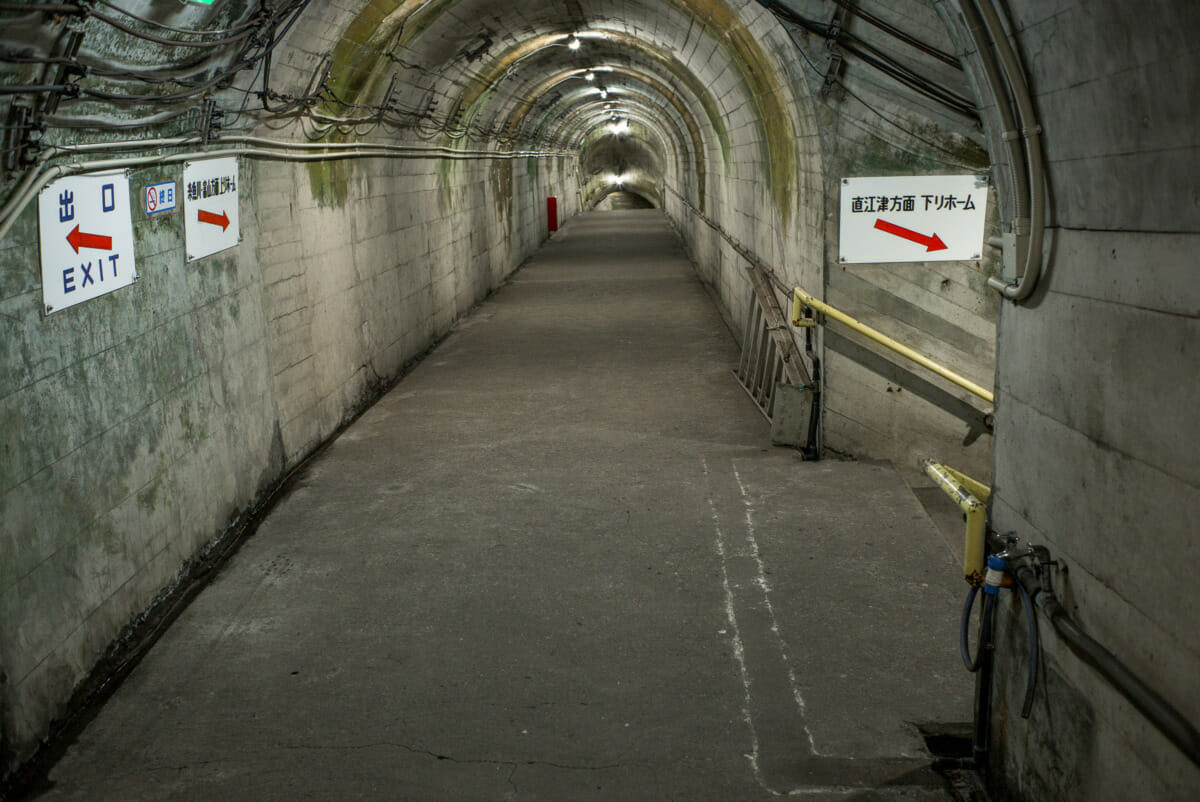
{"points": [[604, 93], [591, 76], [574, 42]]}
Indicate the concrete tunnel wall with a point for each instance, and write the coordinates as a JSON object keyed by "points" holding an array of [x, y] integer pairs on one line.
{"points": [[139, 427], [195, 390], [871, 125], [143, 425], [1098, 403]]}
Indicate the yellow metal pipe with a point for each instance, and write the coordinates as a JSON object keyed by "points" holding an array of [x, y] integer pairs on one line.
{"points": [[802, 299], [962, 489], [973, 553], [973, 486]]}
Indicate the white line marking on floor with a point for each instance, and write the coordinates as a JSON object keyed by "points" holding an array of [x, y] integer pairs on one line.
{"points": [[735, 637], [761, 581], [739, 653]]}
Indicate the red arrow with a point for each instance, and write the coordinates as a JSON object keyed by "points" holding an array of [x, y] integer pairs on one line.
{"points": [[80, 240], [934, 243], [221, 220]]}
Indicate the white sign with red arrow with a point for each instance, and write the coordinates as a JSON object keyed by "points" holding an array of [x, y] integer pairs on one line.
{"points": [[923, 218], [210, 206], [85, 229]]}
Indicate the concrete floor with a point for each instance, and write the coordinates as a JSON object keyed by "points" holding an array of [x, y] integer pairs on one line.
{"points": [[558, 561]]}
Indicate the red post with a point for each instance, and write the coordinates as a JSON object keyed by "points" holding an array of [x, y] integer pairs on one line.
{"points": [[552, 213]]}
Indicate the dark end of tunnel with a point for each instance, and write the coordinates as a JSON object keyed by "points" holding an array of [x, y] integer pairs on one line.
{"points": [[623, 201]]}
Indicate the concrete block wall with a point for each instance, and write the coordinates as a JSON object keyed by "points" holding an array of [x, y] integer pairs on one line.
{"points": [[135, 427], [1099, 402], [353, 291], [740, 203], [876, 404], [139, 425]]}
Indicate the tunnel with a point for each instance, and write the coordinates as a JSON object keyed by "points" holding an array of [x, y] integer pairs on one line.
{"points": [[582, 399]]}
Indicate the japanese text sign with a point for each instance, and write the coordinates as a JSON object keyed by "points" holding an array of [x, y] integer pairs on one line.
{"points": [[85, 230], [210, 204], [924, 218], [159, 198]]}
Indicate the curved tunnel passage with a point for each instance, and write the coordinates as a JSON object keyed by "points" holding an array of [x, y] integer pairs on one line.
{"points": [[617, 159], [392, 164]]}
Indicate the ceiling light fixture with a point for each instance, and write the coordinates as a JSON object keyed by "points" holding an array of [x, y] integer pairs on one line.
{"points": [[618, 127], [574, 42]]}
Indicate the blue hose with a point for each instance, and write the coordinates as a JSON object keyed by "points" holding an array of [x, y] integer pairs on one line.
{"points": [[1035, 648], [985, 634], [985, 629]]}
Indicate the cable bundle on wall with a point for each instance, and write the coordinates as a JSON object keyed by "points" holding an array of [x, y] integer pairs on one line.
{"points": [[248, 146], [873, 56], [245, 43]]}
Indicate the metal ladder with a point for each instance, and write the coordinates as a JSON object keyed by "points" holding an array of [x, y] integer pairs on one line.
{"points": [[761, 367]]}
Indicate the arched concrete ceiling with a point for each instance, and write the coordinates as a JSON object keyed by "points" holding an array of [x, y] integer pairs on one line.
{"points": [[713, 80], [652, 104], [490, 70]]}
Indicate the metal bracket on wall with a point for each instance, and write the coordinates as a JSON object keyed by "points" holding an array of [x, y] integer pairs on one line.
{"points": [[835, 53], [210, 120], [831, 73], [21, 139], [65, 72]]}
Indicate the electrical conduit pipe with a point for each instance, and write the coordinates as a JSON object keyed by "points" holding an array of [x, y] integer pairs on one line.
{"points": [[1029, 182], [1169, 721], [253, 147]]}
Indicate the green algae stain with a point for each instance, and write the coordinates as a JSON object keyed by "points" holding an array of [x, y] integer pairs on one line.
{"points": [[330, 182], [502, 186], [760, 79], [193, 433], [147, 497], [361, 56], [360, 59], [447, 170], [776, 123]]}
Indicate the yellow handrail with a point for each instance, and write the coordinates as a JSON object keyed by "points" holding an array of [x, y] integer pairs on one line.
{"points": [[971, 496], [803, 299]]}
